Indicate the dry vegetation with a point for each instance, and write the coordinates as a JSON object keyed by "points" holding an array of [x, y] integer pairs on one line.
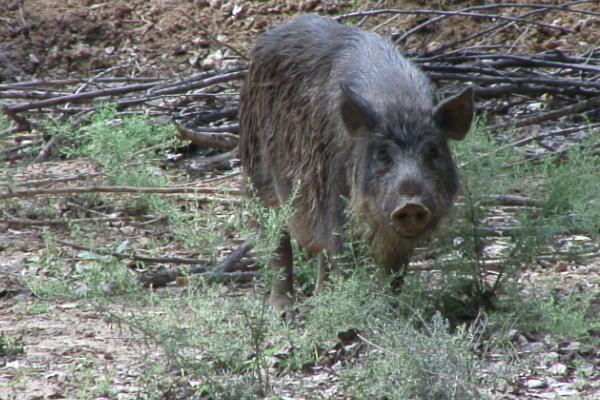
{"points": [[119, 172]]}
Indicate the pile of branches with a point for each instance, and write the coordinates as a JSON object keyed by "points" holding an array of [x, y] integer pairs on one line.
{"points": [[204, 106]]}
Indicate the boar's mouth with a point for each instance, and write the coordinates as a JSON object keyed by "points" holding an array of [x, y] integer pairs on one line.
{"points": [[416, 234]]}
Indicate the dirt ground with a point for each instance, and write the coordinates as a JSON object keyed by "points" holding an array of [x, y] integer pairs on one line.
{"points": [[50, 38], [67, 343]]}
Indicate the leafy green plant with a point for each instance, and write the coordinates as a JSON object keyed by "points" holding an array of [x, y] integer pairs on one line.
{"points": [[9, 346], [572, 187], [93, 276], [406, 363], [563, 314]]}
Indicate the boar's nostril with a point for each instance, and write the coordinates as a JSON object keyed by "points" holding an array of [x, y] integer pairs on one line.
{"points": [[411, 218]]}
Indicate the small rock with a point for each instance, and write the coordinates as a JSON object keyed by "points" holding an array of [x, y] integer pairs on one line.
{"points": [[587, 369], [551, 357], [237, 10], [200, 42], [572, 346], [558, 369], [534, 383]]}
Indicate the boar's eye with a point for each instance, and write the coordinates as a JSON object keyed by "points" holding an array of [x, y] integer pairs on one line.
{"points": [[433, 152], [382, 156]]}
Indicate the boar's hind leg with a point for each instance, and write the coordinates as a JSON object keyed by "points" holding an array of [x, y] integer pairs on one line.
{"points": [[282, 291]]}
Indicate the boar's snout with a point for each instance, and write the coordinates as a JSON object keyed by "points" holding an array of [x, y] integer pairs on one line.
{"points": [[410, 218]]}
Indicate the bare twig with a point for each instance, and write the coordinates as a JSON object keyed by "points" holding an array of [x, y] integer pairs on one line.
{"points": [[512, 200], [201, 165], [222, 140], [585, 105], [538, 8], [228, 265], [135, 257], [53, 181], [115, 189], [454, 14]]}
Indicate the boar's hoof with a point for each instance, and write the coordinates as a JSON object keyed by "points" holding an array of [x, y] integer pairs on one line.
{"points": [[283, 303]]}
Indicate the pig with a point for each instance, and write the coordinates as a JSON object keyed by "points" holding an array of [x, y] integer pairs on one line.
{"points": [[339, 115]]}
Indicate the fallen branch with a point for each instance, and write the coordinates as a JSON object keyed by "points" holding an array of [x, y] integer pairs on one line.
{"points": [[229, 277], [235, 256], [159, 278], [512, 200], [43, 182], [21, 123], [580, 107], [222, 140], [202, 165], [537, 8], [79, 97], [134, 257], [454, 14], [115, 189]]}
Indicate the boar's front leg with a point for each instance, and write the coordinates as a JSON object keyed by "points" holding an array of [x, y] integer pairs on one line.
{"points": [[327, 264], [282, 290]]}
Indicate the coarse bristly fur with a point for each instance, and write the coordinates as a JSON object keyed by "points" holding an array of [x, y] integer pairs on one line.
{"points": [[341, 111]]}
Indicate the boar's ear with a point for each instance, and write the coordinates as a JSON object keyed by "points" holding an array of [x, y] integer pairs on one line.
{"points": [[358, 114], [454, 115]]}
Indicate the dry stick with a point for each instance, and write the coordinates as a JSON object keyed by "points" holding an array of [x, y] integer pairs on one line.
{"points": [[14, 149], [364, 19], [238, 73], [21, 122], [29, 95], [229, 277], [64, 82], [53, 181], [14, 221], [512, 200], [181, 82], [231, 128], [211, 116], [18, 156], [506, 60], [384, 23], [222, 140], [162, 277], [115, 189], [495, 29], [45, 153], [511, 79], [540, 8], [532, 138], [219, 42], [179, 89], [78, 97], [135, 257], [9, 131], [213, 38], [522, 61], [234, 257], [536, 119], [205, 164], [452, 14], [497, 91]]}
